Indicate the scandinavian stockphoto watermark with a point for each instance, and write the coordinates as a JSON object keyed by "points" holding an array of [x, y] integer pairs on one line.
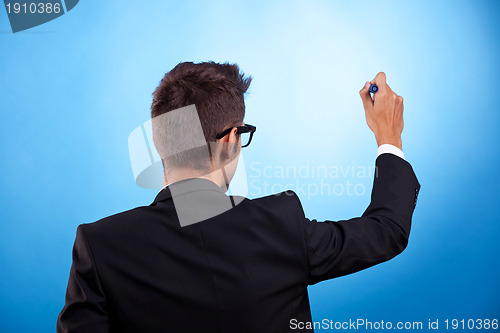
{"points": [[310, 179], [356, 324], [177, 139], [24, 14], [366, 325]]}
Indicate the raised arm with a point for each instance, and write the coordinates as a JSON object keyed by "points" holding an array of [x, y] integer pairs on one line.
{"points": [[343, 247]]}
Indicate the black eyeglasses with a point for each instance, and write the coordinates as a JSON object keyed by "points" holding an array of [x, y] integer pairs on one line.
{"points": [[246, 132]]}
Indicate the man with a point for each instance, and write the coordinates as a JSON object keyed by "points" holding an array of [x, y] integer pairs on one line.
{"points": [[243, 267]]}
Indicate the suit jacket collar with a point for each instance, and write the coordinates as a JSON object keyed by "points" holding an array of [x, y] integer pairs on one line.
{"points": [[186, 186]]}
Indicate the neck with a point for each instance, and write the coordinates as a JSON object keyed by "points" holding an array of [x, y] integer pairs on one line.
{"points": [[174, 175]]}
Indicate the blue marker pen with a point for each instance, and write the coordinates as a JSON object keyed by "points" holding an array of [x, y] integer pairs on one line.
{"points": [[373, 88]]}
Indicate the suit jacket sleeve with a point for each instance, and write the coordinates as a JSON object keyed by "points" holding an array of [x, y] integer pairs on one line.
{"points": [[85, 308], [343, 247]]}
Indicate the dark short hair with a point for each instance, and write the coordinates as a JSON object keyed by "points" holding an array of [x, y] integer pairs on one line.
{"points": [[216, 89]]}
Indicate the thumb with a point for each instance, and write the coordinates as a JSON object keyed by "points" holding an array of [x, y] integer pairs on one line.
{"points": [[365, 96]]}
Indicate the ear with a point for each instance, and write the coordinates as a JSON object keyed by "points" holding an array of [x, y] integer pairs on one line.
{"points": [[229, 145], [232, 136]]}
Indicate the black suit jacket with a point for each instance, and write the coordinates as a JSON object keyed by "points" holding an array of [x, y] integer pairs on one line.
{"points": [[245, 270]]}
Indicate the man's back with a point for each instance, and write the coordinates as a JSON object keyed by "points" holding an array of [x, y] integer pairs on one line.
{"points": [[234, 270], [245, 270]]}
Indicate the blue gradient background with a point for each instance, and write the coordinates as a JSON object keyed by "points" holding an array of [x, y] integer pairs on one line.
{"points": [[73, 89]]}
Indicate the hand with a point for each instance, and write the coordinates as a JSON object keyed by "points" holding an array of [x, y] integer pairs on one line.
{"points": [[384, 112]]}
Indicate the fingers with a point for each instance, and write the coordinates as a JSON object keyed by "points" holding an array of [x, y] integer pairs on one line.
{"points": [[399, 99], [399, 103], [380, 79], [384, 90], [365, 96]]}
